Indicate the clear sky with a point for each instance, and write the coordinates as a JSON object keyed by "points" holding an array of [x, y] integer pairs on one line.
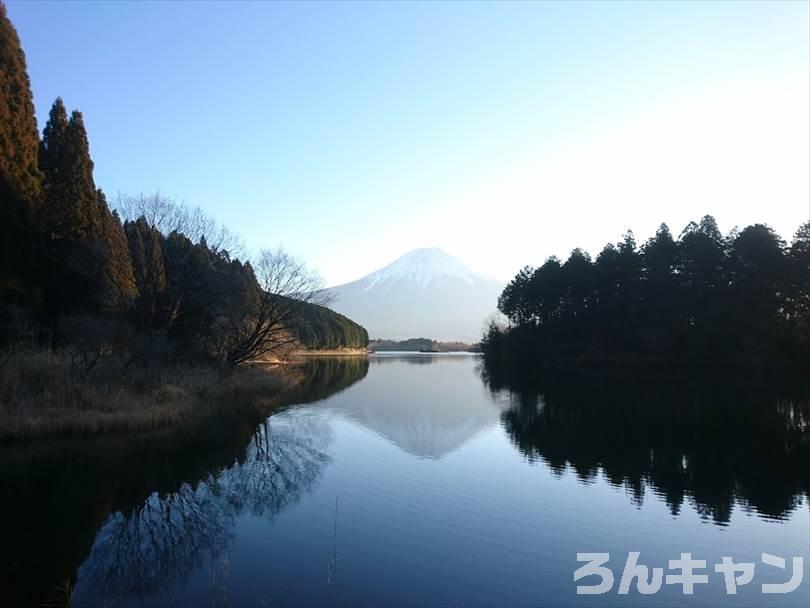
{"points": [[503, 133]]}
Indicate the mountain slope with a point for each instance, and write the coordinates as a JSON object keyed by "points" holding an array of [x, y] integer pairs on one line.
{"points": [[425, 293]]}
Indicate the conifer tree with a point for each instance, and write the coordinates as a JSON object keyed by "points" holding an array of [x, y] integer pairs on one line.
{"points": [[148, 269], [20, 178], [71, 206], [70, 215], [800, 283], [118, 289]]}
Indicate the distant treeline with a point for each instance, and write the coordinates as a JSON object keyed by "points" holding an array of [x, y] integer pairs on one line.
{"points": [[702, 299], [421, 344], [164, 280]]}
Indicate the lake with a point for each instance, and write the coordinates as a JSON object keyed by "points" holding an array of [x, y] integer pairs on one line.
{"points": [[417, 480]]}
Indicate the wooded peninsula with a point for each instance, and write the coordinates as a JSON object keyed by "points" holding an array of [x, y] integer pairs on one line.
{"points": [[704, 301]]}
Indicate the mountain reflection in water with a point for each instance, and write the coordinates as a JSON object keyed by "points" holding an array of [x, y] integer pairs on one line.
{"points": [[421, 427]]}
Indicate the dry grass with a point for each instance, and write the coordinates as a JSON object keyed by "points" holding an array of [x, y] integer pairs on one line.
{"points": [[41, 395]]}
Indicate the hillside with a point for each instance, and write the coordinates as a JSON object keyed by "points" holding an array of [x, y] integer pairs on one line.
{"points": [[321, 328]]}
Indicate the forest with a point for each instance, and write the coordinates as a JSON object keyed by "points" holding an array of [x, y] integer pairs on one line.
{"points": [[142, 284], [322, 328], [705, 299]]}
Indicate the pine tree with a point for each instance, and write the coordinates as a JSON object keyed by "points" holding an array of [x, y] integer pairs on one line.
{"points": [[20, 178]]}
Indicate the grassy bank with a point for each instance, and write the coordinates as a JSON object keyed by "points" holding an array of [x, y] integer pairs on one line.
{"points": [[45, 393]]}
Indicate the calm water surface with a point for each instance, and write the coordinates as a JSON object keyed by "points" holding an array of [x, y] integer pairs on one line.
{"points": [[406, 480]]}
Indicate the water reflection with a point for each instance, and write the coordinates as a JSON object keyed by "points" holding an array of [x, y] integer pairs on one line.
{"points": [[151, 521], [414, 358], [160, 542], [162, 502], [429, 428], [713, 443]]}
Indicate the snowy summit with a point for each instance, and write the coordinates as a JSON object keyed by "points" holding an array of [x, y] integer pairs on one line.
{"points": [[426, 293], [422, 266]]}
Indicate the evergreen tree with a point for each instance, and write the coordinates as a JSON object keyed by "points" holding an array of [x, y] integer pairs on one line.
{"points": [[660, 291], [513, 302], [20, 177], [71, 215], [149, 271], [71, 201], [758, 273], [702, 253], [118, 289], [546, 291], [799, 293], [608, 296], [703, 300], [577, 277]]}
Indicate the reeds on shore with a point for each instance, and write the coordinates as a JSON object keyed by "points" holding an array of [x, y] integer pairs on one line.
{"points": [[41, 394]]}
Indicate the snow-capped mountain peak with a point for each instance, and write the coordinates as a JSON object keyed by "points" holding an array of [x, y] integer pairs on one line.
{"points": [[421, 266], [426, 293]]}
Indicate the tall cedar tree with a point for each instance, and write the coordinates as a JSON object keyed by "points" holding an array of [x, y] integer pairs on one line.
{"points": [[71, 200], [70, 216], [20, 177], [118, 288]]}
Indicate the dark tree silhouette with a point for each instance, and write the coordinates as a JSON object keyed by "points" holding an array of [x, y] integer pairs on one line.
{"points": [[20, 177], [149, 272], [798, 293], [70, 216], [703, 300], [685, 441]]}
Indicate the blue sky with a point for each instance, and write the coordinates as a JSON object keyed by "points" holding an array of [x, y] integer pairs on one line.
{"points": [[350, 133]]}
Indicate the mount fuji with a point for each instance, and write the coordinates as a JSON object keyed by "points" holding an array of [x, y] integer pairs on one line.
{"points": [[426, 293]]}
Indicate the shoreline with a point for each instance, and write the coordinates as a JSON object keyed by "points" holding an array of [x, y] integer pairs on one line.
{"points": [[335, 352], [127, 405]]}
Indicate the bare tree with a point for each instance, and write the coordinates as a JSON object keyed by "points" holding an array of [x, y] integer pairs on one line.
{"points": [[168, 215], [283, 289], [90, 340]]}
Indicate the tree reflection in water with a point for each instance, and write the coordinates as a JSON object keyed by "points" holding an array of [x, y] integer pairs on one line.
{"points": [[141, 512], [714, 442], [161, 542]]}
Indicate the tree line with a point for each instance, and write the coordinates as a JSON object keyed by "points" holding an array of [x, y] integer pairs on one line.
{"points": [[421, 344], [163, 280], [703, 298]]}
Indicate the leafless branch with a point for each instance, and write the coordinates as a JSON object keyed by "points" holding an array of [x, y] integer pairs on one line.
{"points": [[284, 287], [168, 215]]}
